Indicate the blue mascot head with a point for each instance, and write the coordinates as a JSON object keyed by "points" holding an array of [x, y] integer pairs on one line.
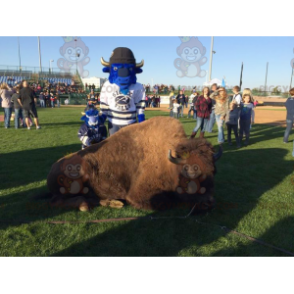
{"points": [[122, 67], [91, 116]]}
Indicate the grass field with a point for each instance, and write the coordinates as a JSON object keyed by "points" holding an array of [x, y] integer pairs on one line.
{"points": [[253, 189]]}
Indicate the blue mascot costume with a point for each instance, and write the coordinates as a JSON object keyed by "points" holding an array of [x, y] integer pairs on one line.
{"points": [[93, 130], [122, 99]]}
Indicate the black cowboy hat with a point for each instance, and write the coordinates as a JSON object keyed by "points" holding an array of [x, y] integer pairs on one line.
{"points": [[122, 55]]}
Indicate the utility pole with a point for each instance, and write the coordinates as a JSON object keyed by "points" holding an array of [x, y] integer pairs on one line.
{"points": [[291, 76], [19, 59], [266, 77], [39, 47], [210, 62]]}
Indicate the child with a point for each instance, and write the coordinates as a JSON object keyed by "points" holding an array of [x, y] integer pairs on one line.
{"points": [[52, 98], [237, 98], [232, 123], [93, 130], [245, 118], [176, 108], [57, 100], [247, 91]]}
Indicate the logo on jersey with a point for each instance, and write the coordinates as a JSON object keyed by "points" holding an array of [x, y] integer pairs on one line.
{"points": [[122, 102]]}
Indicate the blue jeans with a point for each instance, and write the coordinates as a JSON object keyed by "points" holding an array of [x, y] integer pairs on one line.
{"points": [[220, 128], [288, 129], [52, 103], [7, 116], [58, 103], [42, 103], [244, 128], [200, 123], [182, 110], [211, 122], [18, 115]]}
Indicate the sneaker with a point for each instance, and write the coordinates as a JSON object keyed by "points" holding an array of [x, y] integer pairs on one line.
{"points": [[285, 142], [28, 128], [38, 127]]}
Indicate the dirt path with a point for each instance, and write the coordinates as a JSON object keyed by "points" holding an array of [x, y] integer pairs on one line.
{"points": [[272, 115]]}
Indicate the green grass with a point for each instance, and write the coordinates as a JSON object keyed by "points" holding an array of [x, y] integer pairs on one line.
{"points": [[253, 189]]}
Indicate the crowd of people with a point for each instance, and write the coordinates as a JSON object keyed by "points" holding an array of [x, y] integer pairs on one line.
{"points": [[157, 88], [152, 101], [22, 99], [211, 106], [214, 106]]}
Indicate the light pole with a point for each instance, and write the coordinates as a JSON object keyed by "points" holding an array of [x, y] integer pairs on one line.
{"points": [[50, 66], [291, 74], [39, 47], [265, 82], [210, 62], [19, 59]]}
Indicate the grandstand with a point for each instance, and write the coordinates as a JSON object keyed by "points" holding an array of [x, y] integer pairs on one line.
{"points": [[13, 75]]}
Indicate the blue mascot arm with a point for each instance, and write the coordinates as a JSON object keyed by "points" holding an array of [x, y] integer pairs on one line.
{"points": [[102, 118], [141, 117]]}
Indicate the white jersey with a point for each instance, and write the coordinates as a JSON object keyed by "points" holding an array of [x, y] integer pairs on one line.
{"points": [[237, 98], [119, 108]]}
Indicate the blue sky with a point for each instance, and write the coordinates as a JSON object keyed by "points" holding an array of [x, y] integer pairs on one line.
{"points": [[159, 54]]}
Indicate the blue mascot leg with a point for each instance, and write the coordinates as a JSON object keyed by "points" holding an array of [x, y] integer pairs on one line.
{"points": [[141, 117]]}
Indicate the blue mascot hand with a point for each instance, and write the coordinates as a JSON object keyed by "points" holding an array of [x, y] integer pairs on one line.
{"points": [[141, 117], [102, 118]]}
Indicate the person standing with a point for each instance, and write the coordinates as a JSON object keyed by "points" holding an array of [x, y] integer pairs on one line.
{"points": [[237, 97], [247, 91], [171, 98], [192, 101], [290, 115], [6, 93], [221, 111], [27, 102], [232, 123], [245, 118], [203, 107], [42, 99], [186, 101], [17, 108], [181, 100], [211, 120]]}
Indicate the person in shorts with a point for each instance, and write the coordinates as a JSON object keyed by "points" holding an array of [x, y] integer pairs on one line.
{"points": [[27, 101]]}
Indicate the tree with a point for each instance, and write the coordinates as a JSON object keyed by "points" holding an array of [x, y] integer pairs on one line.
{"points": [[276, 90]]}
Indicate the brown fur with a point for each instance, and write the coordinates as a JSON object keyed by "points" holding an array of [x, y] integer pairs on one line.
{"points": [[133, 163]]}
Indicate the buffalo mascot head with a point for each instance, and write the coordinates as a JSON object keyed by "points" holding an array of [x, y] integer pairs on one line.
{"points": [[122, 68]]}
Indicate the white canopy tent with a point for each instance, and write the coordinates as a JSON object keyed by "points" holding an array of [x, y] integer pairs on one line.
{"points": [[213, 81]]}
